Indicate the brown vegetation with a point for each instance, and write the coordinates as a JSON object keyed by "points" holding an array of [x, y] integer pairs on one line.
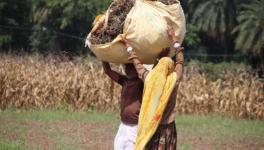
{"points": [[34, 81]]}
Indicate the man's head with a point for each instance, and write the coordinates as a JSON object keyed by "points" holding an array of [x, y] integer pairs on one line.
{"points": [[130, 70]]}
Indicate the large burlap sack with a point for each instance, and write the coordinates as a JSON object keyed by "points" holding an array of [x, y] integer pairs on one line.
{"points": [[145, 29]]}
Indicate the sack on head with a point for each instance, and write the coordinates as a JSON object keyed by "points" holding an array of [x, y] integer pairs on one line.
{"points": [[145, 28]]}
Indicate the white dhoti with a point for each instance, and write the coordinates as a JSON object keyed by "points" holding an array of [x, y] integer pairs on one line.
{"points": [[126, 137]]}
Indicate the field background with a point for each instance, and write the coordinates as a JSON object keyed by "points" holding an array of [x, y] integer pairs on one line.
{"points": [[62, 129], [56, 103], [80, 84], [55, 95]]}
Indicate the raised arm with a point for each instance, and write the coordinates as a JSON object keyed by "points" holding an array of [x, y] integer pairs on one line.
{"points": [[174, 45], [112, 74], [141, 70]]}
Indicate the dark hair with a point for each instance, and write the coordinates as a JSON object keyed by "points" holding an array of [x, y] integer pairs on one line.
{"points": [[129, 64]]}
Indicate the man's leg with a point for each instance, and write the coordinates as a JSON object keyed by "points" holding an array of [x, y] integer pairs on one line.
{"points": [[131, 135], [119, 139]]}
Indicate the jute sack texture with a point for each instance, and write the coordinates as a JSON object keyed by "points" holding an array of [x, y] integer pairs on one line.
{"points": [[145, 28]]}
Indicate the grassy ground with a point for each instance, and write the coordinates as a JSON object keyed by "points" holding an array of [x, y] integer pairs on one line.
{"points": [[95, 131]]}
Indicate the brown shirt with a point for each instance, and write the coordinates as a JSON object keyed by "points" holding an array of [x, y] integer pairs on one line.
{"points": [[131, 98], [131, 95]]}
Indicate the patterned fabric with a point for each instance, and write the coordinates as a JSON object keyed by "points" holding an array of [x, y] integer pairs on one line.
{"points": [[165, 138]]}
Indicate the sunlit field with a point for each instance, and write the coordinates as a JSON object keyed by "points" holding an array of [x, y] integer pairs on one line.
{"points": [[62, 129]]}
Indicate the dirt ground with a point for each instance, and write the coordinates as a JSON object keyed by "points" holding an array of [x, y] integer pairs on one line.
{"points": [[51, 135]]}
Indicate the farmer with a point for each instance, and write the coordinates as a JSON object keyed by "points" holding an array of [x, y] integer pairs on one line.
{"points": [[165, 137], [131, 97]]}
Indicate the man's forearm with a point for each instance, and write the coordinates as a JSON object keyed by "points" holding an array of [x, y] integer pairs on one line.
{"points": [[106, 67], [141, 70], [179, 63], [112, 74]]}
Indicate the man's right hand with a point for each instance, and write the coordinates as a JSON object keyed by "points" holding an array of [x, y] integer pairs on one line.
{"points": [[173, 41], [129, 48], [171, 35]]}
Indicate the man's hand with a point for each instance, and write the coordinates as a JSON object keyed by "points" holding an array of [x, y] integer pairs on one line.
{"points": [[128, 46], [171, 35], [173, 41], [130, 49]]}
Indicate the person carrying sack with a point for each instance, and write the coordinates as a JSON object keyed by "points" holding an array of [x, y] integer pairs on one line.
{"points": [[164, 136], [131, 98]]}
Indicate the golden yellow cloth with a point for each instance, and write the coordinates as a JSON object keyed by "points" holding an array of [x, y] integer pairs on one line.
{"points": [[158, 86]]}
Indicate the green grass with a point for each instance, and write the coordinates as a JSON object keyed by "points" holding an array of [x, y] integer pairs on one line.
{"points": [[219, 126], [45, 117], [4, 145], [58, 115], [212, 127], [185, 147]]}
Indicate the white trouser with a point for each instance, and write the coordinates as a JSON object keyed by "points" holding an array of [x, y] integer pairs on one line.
{"points": [[126, 137]]}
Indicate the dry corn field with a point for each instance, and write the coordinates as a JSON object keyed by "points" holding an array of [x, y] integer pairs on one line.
{"points": [[38, 82]]}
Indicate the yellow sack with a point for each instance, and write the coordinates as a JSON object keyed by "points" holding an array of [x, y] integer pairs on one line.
{"points": [[158, 86], [146, 30]]}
